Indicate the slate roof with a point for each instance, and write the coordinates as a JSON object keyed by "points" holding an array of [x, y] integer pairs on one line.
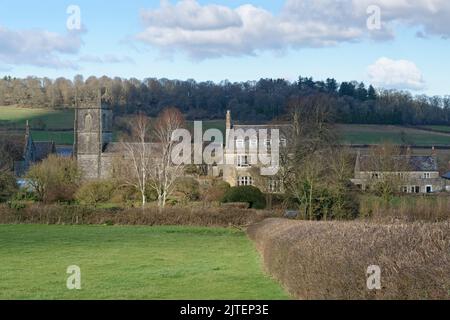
{"points": [[43, 149], [414, 163]]}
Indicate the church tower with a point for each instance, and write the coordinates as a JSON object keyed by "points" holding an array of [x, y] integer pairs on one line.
{"points": [[93, 131]]}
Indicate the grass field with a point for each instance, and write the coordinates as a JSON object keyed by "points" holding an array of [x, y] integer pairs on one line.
{"points": [[39, 118], [131, 263], [437, 128], [375, 134], [14, 118]]}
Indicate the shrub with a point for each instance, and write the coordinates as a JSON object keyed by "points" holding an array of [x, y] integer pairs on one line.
{"points": [[405, 208], [216, 191], [189, 187], [252, 195], [329, 260], [54, 179], [8, 185], [78, 214], [95, 192]]}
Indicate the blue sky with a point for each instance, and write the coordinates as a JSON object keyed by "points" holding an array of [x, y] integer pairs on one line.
{"points": [[231, 39]]}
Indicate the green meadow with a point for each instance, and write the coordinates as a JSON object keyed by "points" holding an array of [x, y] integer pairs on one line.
{"points": [[131, 263], [376, 134]]}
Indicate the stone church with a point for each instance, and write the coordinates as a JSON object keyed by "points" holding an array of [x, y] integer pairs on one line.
{"points": [[93, 136]]}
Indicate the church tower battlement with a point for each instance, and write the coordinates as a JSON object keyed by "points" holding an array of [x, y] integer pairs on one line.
{"points": [[93, 131]]}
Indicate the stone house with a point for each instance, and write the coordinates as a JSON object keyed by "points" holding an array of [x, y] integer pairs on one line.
{"points": [[239, 169], [419, 175]]}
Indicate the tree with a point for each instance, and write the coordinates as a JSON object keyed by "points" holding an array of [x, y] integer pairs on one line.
{"points": [[371, 93], [387, 164], [164, 172], [8, 185], [134, 169], [54, 179]]}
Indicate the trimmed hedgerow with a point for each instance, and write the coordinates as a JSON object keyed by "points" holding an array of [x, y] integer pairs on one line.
{"points": [[249, 194]]}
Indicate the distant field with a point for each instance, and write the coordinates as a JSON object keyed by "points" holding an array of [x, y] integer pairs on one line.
{"points": [[437, 128], [64, 137], [375, 134], [14, 117], [131, 263]]}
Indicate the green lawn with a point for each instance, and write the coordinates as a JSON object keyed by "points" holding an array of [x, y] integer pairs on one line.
{"points": [[14, 117], [376, 134], [131, 263], [437, 128], [62, 137]]}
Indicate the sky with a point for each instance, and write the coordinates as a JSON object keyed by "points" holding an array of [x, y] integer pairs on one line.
{"points": [[392, 44]]}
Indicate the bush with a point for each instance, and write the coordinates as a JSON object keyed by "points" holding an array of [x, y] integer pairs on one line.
{"points": [[252, 195], [39, 213], [216, 191], [54, 179], [405, 208], [8, 185], [189, 187], [328, 260], [95, 192]]}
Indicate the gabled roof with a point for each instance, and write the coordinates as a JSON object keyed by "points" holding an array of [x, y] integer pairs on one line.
{"points": [[43, 149], [411, 163]]}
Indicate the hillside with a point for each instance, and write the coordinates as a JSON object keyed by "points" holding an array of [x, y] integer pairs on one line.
{"points": [[57, 125]]}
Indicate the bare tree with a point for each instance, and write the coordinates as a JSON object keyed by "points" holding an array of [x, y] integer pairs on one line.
{"points": [[164, 172], [387, 164], [135, 167]]}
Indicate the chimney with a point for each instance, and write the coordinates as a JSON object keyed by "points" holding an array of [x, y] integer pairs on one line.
{"points": [[433, 151], [27, 130], [27, 136], [408, 151], [228, 121]]}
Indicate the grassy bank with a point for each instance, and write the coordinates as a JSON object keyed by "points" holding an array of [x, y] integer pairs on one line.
{"points": [[131, 263]]}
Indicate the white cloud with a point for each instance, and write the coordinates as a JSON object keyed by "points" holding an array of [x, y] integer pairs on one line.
{"points": [[216, 30], [190, 15], [38, 48], [396, 74]]}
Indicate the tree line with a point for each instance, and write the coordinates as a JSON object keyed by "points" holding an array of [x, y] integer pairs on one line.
{"points": [[256, 101]]}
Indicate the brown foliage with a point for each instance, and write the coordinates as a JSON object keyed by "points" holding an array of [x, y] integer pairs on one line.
{"points": [[59, 214], [405, 208], [329, 260]]}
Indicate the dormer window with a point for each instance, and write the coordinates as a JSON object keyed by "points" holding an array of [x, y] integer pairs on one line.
{"points": [[243, 161]]}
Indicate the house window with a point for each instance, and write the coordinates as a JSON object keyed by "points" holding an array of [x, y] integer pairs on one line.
{"points": [[245, 181], [243, 161], [283, 142], [375, 176], [427, 175], [254, 143], [274, 186], [267, 143], [415, 189], [429, 189], [240, 143], [404, 189]]}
